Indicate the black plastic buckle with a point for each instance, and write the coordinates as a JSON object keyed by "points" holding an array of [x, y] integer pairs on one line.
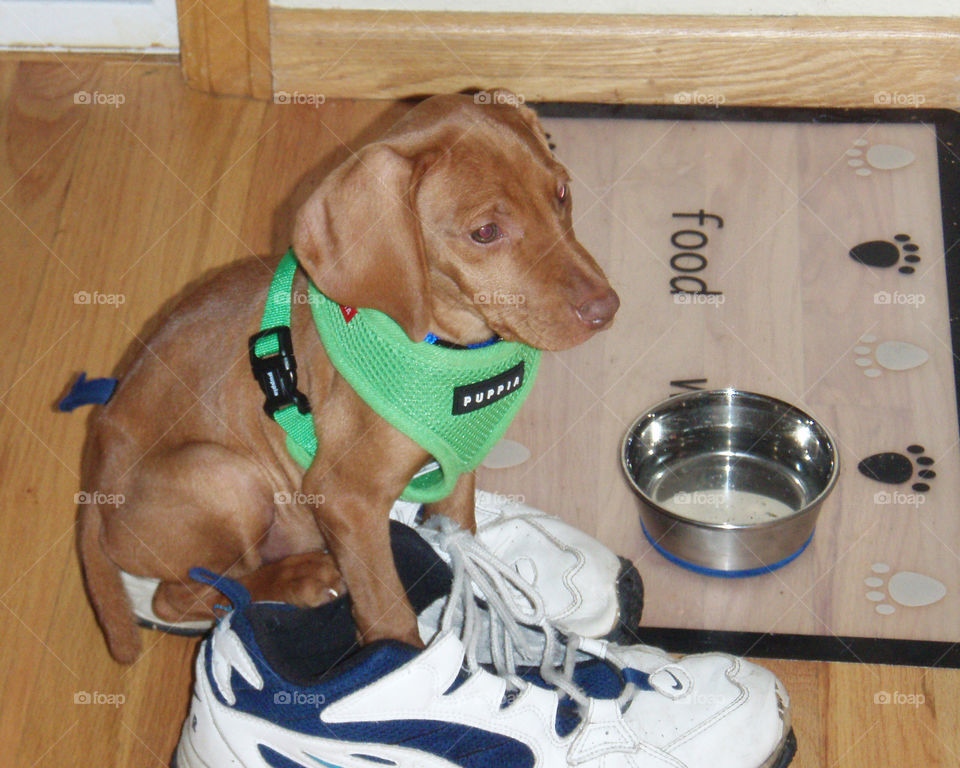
{"points": [[277, 373]]}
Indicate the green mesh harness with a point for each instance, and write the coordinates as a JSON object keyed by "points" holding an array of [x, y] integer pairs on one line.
{"points": [[453, 402]]}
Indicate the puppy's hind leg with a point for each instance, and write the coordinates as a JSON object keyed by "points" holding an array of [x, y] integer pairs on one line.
{"points": [[305, 580], [195, 505]]}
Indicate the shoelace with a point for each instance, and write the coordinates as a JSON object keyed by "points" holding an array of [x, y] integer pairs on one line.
{"points": [[500, 585]]}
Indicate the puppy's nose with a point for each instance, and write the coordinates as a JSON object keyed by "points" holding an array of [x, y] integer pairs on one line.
{"points": [[599, 311]]}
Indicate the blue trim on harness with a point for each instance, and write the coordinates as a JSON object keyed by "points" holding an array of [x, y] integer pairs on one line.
{"points": [[432, 338]]}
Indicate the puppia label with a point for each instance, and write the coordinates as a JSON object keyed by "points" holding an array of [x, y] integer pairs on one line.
{"points": [[470, 397]]}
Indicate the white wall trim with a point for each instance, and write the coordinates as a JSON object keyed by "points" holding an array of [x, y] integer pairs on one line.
{"points": [[147, 26]]}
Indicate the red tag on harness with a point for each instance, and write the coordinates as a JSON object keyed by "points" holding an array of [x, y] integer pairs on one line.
{"points": [[348, 312]]}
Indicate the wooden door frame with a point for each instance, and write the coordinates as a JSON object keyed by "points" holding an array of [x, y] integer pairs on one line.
{"points": [[225, 46]]}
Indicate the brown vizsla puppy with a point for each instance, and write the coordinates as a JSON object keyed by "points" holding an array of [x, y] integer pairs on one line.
{"points": [[457, 199]]}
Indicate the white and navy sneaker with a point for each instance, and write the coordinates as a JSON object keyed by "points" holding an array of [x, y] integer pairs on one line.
{"points": [[586, 588], [280, 687]]}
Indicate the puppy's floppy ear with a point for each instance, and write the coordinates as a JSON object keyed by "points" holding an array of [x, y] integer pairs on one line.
{"points": [[359, 240], [533, 123], [529, 117]]}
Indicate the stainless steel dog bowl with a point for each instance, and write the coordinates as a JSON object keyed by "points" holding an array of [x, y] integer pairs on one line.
{"points": [[730, 483]]}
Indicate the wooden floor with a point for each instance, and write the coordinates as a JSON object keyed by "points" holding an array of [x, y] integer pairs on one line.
{"points": [[128, 202]]}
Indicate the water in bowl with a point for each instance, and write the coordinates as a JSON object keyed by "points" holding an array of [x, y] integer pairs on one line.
{"points": [[726, 506], [729, 489]]}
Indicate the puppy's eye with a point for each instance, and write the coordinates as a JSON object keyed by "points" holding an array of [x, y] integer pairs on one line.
{"points": [[486, 234], [562, 192]]}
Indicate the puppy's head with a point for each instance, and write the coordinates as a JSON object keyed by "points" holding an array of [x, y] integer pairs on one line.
{"points": [[457, 222]]}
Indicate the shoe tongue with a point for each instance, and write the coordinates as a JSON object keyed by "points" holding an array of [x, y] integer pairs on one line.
{"points": [[302, 644], [424, 575]]}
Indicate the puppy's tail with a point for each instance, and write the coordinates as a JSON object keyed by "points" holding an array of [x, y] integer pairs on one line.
{"points": [[105, 589]]}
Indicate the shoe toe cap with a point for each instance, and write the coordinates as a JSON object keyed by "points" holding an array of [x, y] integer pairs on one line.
{"points": [[713, 709]]}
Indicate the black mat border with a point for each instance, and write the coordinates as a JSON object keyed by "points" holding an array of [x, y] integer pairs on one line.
{"points": [[856, 650], [946, 123]]}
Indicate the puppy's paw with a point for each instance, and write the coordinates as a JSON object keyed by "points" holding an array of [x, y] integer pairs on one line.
{"points": [[306, 581]]}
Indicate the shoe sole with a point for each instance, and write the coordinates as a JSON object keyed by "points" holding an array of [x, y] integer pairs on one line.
{"points": [[784, 756], [780, 760], [173, 629]]}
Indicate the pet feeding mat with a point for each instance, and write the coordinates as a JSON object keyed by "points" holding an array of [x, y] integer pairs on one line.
{"points": [[817, 257]]}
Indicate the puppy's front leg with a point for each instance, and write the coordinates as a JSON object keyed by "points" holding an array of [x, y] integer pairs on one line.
{"points": [[459, 506], [361, 468]]}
